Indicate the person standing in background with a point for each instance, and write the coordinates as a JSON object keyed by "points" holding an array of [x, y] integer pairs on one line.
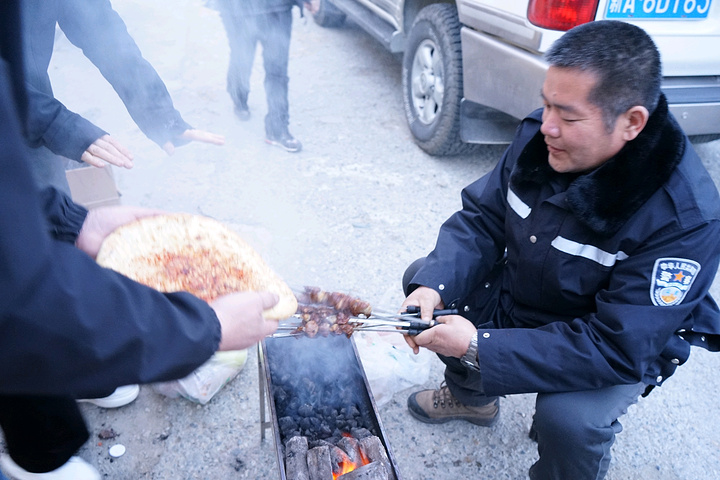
{"points": [[268, 22]]}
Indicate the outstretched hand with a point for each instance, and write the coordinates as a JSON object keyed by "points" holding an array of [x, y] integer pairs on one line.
{"points": [[106, 150], [194, 135]]}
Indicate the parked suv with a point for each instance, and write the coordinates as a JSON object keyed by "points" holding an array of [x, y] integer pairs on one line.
{"points": [[472, 69]]}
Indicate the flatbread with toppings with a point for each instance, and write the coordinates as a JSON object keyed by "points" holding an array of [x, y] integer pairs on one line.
{"points": [[195, 254]]}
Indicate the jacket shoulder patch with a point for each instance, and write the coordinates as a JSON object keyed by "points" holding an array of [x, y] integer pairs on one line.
{"points": [[671, 280]]}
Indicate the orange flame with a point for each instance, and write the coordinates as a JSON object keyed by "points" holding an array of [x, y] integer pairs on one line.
{"points": [[345, 467]]}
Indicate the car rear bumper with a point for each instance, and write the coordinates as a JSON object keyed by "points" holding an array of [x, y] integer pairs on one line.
{"points": [[513, 78]]}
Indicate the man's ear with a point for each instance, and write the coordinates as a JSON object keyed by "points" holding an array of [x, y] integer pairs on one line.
{"points": [[634, 120]]}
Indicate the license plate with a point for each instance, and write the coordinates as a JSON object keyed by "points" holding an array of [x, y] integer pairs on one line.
{"points": [[658, 9]]}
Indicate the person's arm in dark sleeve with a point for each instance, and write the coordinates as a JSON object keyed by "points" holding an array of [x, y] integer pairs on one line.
{"points": [[52, 125], [94, 27], [68, 326]]}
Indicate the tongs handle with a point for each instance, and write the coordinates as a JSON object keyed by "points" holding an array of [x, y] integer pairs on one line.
{"points": [[416, 328], [415, 310]]}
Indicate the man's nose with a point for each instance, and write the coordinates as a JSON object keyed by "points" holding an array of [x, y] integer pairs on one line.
{"points": [[549, 126]]}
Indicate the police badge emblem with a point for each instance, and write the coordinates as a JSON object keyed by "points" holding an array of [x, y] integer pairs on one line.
{"points": [[671, 280]]}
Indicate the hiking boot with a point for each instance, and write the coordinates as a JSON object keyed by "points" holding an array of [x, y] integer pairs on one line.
{"points": [[440, 406], [284, 140], [74, 469]]}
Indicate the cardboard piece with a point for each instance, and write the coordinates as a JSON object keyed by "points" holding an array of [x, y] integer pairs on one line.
{"points": [[93, 187]]}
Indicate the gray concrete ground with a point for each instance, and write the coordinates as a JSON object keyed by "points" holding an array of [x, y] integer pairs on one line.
{"points": [[349, 213]]}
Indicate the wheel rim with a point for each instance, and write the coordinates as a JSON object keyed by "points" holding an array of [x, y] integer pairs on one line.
{"points": [[427, 85]]}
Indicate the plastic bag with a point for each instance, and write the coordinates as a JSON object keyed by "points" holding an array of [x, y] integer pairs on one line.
{"points": [[390, 365], [202, 384]]}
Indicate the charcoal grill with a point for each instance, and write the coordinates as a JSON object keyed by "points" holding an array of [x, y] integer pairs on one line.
{"points": [[272, 351]]}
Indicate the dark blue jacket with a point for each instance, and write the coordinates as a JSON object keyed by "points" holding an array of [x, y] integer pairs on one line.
{"points": [[94, 27], [607, 273], [68, 326]]}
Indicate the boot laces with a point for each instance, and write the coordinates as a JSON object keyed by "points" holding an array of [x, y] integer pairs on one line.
{"points": [[442, 397]]}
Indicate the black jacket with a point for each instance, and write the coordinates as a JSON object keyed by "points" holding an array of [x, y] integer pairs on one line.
{"points": [[68, 326], [607, 273]]}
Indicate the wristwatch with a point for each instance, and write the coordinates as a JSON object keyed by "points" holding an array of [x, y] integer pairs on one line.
{"points": [[470, 359]]}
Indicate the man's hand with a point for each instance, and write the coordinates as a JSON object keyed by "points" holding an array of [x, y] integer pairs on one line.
{"points": [[106, 150], [241, 318], [102, 221], [196, 136], [451, 338], [428, 300]]}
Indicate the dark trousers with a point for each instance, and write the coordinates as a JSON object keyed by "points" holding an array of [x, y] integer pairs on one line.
{"points": [[272, 31], [41, 433], [574, 430]]}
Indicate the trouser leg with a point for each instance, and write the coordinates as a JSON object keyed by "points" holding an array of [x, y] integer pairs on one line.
{"points": [[242, 39], [41, 433], [276, 28], [575, 431]]}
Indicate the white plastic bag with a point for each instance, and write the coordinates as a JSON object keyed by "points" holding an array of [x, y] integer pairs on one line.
{"points": [[390, 365], [202, 384]]}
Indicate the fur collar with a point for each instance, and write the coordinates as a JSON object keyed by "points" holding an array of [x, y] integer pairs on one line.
{"points": [[605, 198]]}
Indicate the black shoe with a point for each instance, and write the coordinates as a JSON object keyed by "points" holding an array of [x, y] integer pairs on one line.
{"points": [[284, 140], [242, 112]]}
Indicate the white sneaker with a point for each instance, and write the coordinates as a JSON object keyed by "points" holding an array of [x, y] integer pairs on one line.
{"points": [[74, 469], [121, 396]]}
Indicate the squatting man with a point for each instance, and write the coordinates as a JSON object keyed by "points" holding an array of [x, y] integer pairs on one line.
{"points": [[581, 263]]}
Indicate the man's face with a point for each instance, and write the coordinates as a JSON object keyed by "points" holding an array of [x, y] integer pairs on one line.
{"points": [[575, 133]]}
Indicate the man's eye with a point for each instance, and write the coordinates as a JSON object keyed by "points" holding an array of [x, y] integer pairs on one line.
{"points": [[569, 120]]}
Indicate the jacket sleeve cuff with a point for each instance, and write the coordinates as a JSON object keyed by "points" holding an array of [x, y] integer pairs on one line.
{"points": [[64, 217]]}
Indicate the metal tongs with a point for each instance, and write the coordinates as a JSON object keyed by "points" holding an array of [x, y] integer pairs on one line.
{"points": [[408, 322]]}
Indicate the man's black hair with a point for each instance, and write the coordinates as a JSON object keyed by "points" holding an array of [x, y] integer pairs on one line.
{"points": [[624, 58]]}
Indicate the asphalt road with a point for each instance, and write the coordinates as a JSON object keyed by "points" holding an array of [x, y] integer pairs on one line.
{"points": [[349, 213]]}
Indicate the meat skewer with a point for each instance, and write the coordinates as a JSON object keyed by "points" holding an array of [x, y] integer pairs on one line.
{"points": [[334, 313]]}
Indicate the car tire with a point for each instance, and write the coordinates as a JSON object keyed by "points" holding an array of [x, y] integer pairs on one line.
{"points": [[328, 15], [432, 81]]}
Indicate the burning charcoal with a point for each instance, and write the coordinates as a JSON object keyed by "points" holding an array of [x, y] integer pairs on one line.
{"points": [[296, 467], [337, 458], [371, 471], [351, 447], [374, 451], [318, 461], [360, 433]]}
